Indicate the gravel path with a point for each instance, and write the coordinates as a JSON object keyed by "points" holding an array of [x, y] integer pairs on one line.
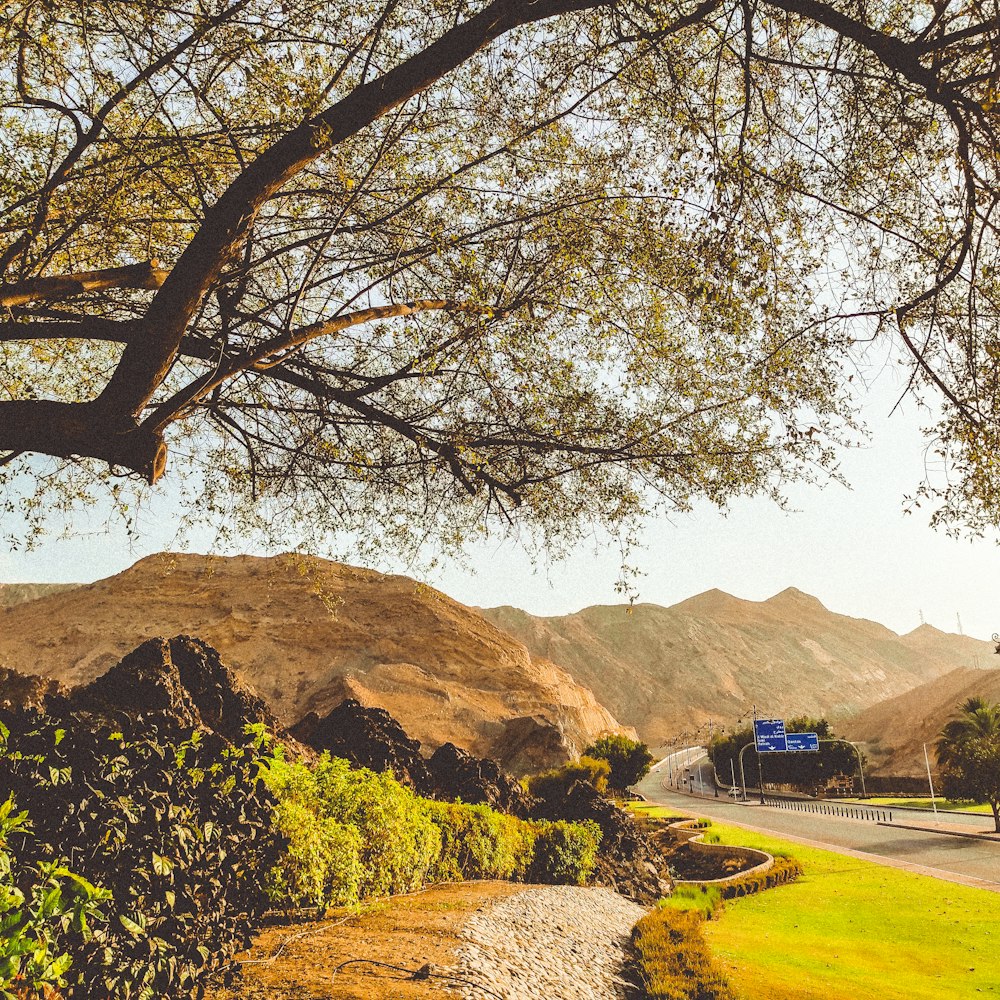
{"points": [[549, 943]]}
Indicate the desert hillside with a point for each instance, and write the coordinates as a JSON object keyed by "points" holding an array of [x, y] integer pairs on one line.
{"points": [[306, 633], [664, 670], [894, 731], [18, 593]]}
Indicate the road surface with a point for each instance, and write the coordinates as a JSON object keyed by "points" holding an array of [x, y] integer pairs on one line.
{"points": [[958, 859]]}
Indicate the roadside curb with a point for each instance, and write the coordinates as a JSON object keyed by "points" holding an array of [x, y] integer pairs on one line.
{"points": [[988, 838]]}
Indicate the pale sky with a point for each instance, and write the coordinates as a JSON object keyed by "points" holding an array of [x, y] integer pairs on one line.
{"points": [[853, 549]]}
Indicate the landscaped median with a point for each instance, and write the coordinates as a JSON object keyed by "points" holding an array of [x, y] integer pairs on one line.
{"points": [[672, 959], [851, 930]]}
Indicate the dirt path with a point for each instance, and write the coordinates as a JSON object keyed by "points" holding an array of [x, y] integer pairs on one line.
{"points": [[409, 931]]}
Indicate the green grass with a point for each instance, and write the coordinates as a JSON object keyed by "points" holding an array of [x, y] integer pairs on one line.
{"points": [[853, 930], [960, 806]]}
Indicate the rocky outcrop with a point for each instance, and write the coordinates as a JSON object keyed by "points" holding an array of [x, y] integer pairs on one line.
{"points": [[457, 774], [367, 737], [628, 860], [306, 633], [530, 743], [19, 690], [181, 680]]}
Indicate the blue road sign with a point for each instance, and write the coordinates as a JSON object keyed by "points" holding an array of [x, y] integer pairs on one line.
{"points": [[769, 735], [802, 741]]}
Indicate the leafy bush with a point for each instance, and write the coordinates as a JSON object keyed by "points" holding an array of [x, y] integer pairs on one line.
{"points": [[629, 760], [783, 870], [480, 843], [39, 909], [552, 785], [353, 834], [565, 853], [672, 959], [176, 826]]}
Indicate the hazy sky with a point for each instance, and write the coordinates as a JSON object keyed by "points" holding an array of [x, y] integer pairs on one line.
{"points": [[853, 549]]}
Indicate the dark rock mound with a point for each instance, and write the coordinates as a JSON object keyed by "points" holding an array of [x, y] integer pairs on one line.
{"points": [[529, 744], [457, 774], [628, 861], [367, 737], [19, 690], [181, 680]]}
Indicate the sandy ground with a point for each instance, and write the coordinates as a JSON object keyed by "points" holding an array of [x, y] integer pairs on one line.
{"points": [[297, 962]]}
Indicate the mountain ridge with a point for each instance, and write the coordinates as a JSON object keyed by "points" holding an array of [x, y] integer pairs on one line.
{"points": [[307, 633], [666, 670]]}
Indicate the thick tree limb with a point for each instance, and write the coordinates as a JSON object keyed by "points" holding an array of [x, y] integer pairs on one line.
{"points": [[144, 365], [72, 430], [148, 274]]}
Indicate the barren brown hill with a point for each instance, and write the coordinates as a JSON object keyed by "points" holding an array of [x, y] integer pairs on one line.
{"points": [[894, 731], [306, 633], [668, 670], [18, 593]]}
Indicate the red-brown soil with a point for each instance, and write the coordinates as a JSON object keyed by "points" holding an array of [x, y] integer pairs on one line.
{"points": [[297, 962]]}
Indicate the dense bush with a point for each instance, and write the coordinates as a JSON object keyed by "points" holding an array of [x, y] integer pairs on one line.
{"points": [[552, 785], [40, 907], [783, 870], [353, 834], [176, 825], [565, 853], [672, 959], [478, 842], [629, 760]]}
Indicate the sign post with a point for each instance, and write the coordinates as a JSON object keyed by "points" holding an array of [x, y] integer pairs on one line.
{"points": [[802, 742], [769, 735]]}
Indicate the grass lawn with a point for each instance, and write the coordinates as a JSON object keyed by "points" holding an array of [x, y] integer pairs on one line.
{"points": [[854, 930], [922, 804]]}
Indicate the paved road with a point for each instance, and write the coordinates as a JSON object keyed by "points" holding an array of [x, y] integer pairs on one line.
{"points": [[939, 854]]}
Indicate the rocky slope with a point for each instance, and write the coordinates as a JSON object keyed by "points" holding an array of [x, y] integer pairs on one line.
{"points": [[894, 731], [18, 593], [306, 634], [668, 670]]}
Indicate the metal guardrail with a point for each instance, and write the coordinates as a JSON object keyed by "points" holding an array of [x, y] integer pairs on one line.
{"points": [[831, 809]]}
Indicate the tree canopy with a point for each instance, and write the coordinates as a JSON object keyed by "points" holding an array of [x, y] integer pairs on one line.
{"points": [[444, 264], [628, 759], [808, 771], [968, 751]]}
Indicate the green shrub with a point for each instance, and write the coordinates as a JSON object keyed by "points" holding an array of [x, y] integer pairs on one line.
{"points": [[629, 760], [176, 825], [353, 834], [672, 959], [565, 853], [39, 910], [706, 900], [480, 843], [379, 836], [783, 870], [552, 785], [322, 863]]}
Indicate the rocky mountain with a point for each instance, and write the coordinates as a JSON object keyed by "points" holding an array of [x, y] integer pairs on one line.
{"points": [[307, 633], [668, 670], [18, 593], [894, 731]]}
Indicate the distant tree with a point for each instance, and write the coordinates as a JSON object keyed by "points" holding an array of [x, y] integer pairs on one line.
{"points": [[629, 759], [553, 784], [806, 771], [968, 751]]}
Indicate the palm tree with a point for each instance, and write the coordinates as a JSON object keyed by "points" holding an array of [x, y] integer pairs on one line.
{"points": [[969, 751]]}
